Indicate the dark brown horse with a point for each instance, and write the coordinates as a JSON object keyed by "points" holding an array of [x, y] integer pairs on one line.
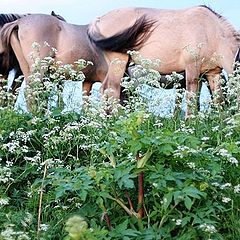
{"points": [[195, 40]]}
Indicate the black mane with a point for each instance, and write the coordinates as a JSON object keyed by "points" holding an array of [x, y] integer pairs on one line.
{"points": [[210, 9], [6, 18], [229, 26]]}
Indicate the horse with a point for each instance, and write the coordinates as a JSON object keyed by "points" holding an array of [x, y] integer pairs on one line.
{"points": [[70, 40], [10, 62], [196, 40]]}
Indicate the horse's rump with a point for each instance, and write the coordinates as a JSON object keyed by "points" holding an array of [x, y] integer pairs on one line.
{"points": [[8, 60], [136, 30]]}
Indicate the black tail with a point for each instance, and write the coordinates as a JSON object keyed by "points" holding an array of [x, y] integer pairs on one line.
{"points": [[131, 38], [237, 59]]}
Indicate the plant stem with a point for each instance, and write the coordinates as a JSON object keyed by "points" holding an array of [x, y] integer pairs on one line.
{"points": [[107, 219], [140, 192], [40, 200], [129, 200], [140, 195]]}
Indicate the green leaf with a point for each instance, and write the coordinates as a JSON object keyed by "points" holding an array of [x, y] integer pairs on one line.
{"points": [[166, 148], [141, 162], [188, 202], [193, 192], [126, 181], [167, 199], [178, 197]]}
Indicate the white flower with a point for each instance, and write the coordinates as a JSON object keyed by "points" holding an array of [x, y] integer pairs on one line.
{"points": [[205, 138], [178, 221], [226, 185], [226, 199], [237, 188], [223, 152], [3, 201], [192, 165], [233, 160], [208, 228], [44, 227]]}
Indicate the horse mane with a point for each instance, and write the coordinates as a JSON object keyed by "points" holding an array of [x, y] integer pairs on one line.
{"points": [[210, 9], [6, 18], [58, 16], [237, 58], [131, 38], [224, 21]]}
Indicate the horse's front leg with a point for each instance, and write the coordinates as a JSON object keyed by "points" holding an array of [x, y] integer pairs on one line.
{"points": [[192, 90], [87, 87]]}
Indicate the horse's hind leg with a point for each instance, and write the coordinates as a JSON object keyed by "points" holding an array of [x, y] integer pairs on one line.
{"points": [[215, 83], [86, 89], [116, 70], [17, 81], [16, 46]]}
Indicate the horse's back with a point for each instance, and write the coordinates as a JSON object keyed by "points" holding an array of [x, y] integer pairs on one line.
{"points": [[168, 19]]}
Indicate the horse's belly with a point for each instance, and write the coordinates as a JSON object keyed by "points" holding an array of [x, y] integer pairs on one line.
{"points": [[169, 60]]}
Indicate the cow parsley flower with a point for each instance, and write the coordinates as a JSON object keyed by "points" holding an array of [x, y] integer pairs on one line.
{"points": [[208, 228], [226, 199], [236, 188]]}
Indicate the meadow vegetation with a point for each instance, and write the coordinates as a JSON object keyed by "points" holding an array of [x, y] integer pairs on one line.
{"points": [[118, 172]]}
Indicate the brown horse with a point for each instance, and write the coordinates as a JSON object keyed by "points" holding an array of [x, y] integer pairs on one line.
{"points": [[8, 61], [196, 40], [71, 41]]}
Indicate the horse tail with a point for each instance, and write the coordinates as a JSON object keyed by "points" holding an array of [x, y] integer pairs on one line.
{"points": [[131, 38], [6, 51], [237, 58]]}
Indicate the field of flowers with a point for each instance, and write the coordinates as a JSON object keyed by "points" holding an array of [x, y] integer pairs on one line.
{"points": [[114, 172]]}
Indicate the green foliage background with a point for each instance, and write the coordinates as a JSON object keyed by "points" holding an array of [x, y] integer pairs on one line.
{"points": [[76, 176]]}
